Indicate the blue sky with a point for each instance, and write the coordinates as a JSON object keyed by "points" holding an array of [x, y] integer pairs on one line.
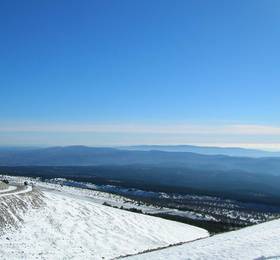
{"points": [[131, 72]]}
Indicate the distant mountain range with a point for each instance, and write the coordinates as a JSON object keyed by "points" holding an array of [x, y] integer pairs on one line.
{"points": [[208, 150], [245, 178], [90, 156]]}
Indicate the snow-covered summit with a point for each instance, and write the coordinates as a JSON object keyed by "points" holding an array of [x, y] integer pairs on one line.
{"points": [[72, 226], [51, 221], [258, 242]]}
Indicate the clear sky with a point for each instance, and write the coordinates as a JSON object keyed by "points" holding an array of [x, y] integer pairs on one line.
{"points": [[141, 71]]}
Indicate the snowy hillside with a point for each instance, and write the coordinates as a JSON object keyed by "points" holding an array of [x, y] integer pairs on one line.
{"points": [[50, 221], [257, 242], [69, 225]]}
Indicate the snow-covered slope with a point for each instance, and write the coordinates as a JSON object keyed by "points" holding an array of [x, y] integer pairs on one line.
{"points": [[55, 222], [257, 242], [68, 226]]}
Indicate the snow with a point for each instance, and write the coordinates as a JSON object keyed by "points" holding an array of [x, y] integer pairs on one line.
{"points": [[17, 192], [71, 226], [72, 223], [9, 188], [257, 242]]}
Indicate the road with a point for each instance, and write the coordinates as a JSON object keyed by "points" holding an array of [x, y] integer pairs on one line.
{"points": [[15, 190]]}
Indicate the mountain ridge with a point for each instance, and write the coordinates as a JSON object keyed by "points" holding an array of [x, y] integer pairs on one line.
{"points": [[94, 156], [207, 150]]}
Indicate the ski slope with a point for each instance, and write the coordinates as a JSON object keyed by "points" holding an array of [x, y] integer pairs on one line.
{"points": [[70, 227], [257, 242]]}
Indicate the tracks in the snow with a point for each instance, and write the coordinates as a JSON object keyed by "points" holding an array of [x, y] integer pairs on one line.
{"points": [[15, 190]]}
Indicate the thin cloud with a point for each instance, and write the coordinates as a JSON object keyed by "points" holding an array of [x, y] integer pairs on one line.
{"points": [[224, 135], [237, 129]]}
